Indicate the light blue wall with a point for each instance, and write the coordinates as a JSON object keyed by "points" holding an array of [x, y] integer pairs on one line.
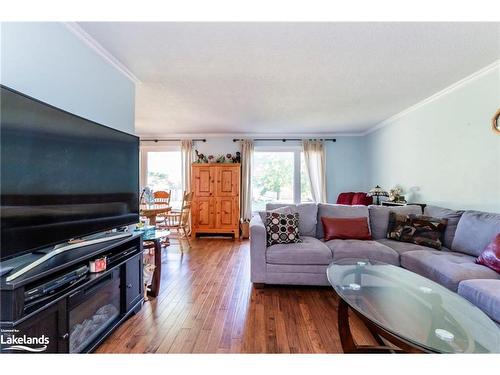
{"points": [[346, 166], [47, 61], [444, 151]]}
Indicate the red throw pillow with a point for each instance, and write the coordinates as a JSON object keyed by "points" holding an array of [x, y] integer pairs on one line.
{"points": [[490, 257], [355, 228]]}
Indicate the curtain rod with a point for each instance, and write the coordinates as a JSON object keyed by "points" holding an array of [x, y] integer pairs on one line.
{"points": [[286, 139], [171, 140]]}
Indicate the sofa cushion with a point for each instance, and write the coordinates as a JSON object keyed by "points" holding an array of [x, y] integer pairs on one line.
{"points": [[379, 217], [337, 228], [297, 268], [417, 229], [475, 231], [338, 211], [485, 294], [362, 250], [403, 247], [308, 213], [297, 278], [453, 219], [309, 251], [445, 268], [279, 210]]}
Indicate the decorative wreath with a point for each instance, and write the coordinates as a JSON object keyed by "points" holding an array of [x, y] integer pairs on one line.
{"points": [[495, 123]]}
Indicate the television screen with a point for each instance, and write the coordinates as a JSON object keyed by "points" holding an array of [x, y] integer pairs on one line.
{"points": [[61, 176]]}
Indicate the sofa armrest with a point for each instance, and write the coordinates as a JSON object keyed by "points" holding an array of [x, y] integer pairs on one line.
{"points": [[257, 250]]}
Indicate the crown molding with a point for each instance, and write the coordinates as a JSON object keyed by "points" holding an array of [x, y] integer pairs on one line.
{"points": [[434, 97], [100, 50]]}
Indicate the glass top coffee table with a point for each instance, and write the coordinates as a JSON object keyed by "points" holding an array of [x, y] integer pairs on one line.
{"points": [[406, 312]]}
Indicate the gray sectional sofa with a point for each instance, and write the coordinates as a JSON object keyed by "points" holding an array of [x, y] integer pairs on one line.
{"points": [[466, 235]]}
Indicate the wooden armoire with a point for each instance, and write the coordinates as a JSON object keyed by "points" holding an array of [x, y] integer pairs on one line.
{"points": [[216, 202]]}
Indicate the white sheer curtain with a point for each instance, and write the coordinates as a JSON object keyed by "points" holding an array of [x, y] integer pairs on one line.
{"points": [[186, 159], [246, 176], [315, 161]]}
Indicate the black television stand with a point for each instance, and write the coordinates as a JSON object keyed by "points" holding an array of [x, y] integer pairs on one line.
{"points": [[59, 249], [76, 316]]}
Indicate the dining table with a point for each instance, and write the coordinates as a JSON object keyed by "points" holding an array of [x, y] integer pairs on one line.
{"points": [[151, 211]]}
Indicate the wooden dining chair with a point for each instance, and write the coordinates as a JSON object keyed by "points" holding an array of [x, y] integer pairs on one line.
{"points": [[162, 197], [180, 220]]}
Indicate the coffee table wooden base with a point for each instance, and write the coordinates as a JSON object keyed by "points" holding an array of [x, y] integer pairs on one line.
{"points": [[379, 334]]}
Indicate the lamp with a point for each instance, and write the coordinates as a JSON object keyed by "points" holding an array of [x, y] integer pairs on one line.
{"points": [[378, 192]]}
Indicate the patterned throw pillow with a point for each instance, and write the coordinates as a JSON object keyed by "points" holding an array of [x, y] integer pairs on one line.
{"points": [[282, 228], [417, 229]]}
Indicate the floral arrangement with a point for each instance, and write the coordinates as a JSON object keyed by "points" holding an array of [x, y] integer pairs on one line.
{"points": [[228, 158], [395, 194], [148, 195]]}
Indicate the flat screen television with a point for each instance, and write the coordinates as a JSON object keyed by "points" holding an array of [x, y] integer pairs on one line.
{"points": [[62, 176]]}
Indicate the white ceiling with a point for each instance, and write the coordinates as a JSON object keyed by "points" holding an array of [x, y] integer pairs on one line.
{"points": [[283, 78]]}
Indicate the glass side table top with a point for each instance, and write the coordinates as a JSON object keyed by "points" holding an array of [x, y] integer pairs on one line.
{"points": [[414, 308], [153, 234]]}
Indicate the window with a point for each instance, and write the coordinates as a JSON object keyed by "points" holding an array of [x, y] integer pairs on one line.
{"points": [[279, 176], [161, 170]]}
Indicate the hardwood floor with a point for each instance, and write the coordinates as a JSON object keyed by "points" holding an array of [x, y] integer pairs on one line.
{"points": [[207, 304]]}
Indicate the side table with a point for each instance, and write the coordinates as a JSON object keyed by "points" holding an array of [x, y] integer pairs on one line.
{"points": [[155, 236], [397, 204]]}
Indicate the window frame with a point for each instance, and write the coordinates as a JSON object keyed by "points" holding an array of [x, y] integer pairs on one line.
{"points": [[143, 158], [297, 151]]}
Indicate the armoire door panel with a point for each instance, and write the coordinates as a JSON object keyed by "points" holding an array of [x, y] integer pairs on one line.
{"points": [[227, 212], [228, 181], [204, 181], [203, 213]]}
